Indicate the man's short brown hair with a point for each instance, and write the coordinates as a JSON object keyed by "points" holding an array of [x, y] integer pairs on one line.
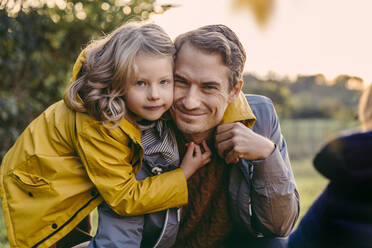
{"points": [[217, 39]]}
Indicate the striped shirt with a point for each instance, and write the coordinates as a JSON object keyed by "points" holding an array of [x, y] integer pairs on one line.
{"points": [[160, 147]]}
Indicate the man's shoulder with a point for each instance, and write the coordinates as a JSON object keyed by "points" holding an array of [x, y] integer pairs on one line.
{"points": [[265, 113], [258, 99], [260, 105]]}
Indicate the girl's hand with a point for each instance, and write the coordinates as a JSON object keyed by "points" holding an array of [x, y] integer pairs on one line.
{"points": [[195, 158]]}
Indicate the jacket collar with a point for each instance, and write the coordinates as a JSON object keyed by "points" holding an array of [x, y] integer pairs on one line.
{"points": [[239, 110]]}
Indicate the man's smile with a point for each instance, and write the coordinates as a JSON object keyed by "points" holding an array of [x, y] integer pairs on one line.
{"points": [[190, 114]]}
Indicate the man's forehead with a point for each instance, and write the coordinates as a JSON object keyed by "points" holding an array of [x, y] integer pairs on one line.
{"points": [[190, 49], [192, 64]]}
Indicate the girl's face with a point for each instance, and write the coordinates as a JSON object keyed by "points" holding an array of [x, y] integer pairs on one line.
{"points": [[152, 93]]}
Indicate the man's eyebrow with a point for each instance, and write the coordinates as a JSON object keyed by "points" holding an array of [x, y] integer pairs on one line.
{"points": [[176, 76], [207, 83]]}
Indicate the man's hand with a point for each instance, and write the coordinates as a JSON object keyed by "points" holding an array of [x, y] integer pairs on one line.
{"points": [[234, 141], [195, 158]]}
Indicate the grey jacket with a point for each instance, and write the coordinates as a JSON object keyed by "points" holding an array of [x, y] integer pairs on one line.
{"points": [[115, 231], [264, 200], [263, 193]]}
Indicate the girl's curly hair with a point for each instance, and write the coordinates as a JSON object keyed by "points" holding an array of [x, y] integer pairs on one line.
{"points": [[110, 65]]}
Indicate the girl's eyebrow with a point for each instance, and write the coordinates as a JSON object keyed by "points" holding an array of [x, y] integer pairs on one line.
{"points": [[169, 76]]}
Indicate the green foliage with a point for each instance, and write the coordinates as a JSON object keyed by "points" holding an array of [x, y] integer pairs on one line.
{"points": [[39, 45], [277, 91], [310, 96]]}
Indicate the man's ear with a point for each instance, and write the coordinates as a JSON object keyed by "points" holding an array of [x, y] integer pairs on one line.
{"points": [[234, 93]]}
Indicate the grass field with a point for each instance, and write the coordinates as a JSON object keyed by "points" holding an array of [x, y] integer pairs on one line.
{"points": [[309, 183], [306, 136]]}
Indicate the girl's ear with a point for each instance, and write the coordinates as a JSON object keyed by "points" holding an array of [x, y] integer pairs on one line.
{"points": [[234, 93]]}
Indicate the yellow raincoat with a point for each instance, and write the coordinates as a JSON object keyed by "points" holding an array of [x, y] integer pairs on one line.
{"points": [[66, 163]]}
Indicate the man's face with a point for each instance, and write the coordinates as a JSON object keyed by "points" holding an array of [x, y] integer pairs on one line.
{"points": [[201, 92]]}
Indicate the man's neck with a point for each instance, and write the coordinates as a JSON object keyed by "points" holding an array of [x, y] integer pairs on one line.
{"points": [[199, 137]]}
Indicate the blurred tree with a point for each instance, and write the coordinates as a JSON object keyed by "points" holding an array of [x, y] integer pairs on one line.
{"points": [[261, 9], [40, 41], [277, 90], [309, 96]]}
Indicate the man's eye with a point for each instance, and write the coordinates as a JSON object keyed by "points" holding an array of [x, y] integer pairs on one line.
{"points": [[180, 82], [140, 83], [210, 87]]}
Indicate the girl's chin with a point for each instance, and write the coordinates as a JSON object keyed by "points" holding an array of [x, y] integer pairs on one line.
{"points": [[151, 118]]}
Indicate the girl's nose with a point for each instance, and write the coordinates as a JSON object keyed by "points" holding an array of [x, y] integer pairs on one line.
{"points": [[153, 93]]}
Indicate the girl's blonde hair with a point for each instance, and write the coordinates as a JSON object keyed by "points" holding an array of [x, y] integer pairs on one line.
{"points": [[110, 65]]}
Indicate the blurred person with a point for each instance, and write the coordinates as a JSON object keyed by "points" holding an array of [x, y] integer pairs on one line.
{"points": [[88, 148], [342, 214]]}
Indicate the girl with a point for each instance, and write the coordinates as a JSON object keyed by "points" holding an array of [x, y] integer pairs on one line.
{"points": [[87, 149]]}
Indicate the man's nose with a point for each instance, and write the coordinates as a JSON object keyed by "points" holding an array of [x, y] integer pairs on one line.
{"points": [[153, 93], [192, 99]]}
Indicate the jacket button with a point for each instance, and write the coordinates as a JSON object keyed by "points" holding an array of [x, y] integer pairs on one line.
{"points": [[93, 193], [54, 226], [30, 194]]}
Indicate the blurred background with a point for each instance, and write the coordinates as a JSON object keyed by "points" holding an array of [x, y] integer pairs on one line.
{"points": [[311, 57]]}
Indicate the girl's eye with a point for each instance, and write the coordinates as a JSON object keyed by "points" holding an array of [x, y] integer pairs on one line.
{"points": [[164, 82], [140, 83]]}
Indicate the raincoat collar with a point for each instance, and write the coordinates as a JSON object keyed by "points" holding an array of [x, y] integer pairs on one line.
{"points": [[239, 110]]}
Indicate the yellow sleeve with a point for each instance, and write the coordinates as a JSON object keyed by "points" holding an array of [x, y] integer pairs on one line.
{"points": [[109, 160]]}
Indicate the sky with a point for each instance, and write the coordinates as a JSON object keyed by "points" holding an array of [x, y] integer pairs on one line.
{"points": [[330, 37]]}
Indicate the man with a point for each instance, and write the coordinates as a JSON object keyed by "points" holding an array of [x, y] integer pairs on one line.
{"points": [[247, 194]]}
